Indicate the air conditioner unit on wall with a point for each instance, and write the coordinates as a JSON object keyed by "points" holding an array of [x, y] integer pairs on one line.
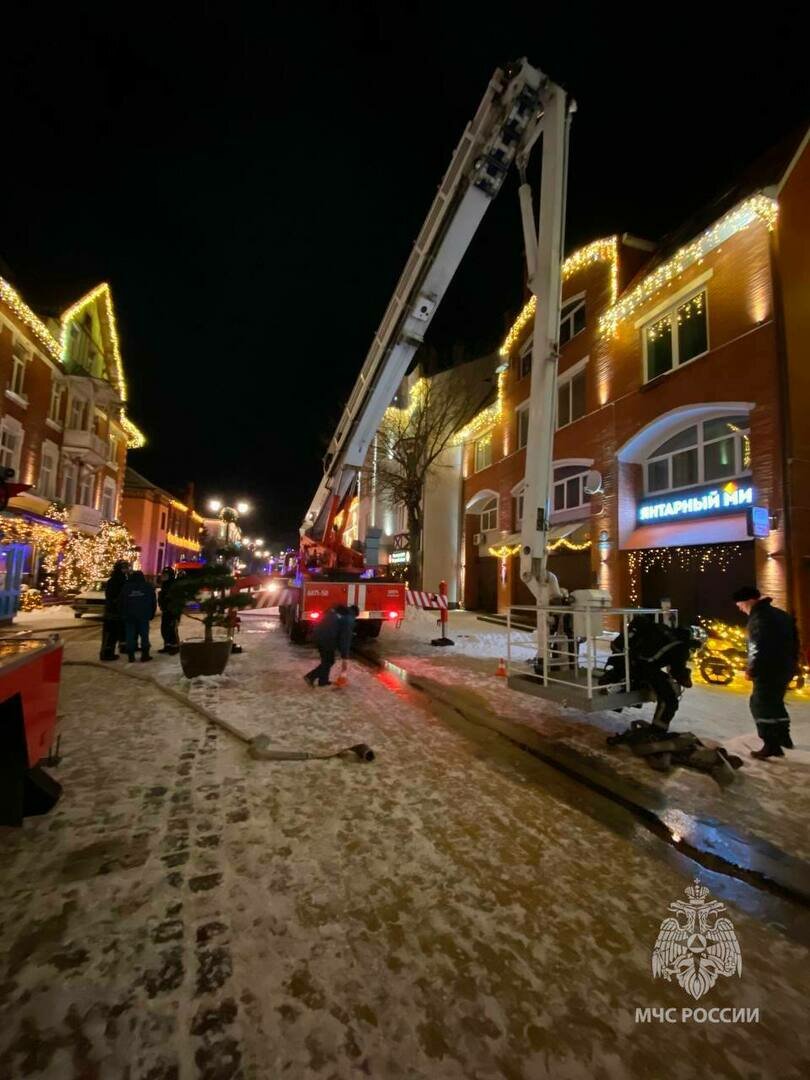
{"points": [[479, 538]]}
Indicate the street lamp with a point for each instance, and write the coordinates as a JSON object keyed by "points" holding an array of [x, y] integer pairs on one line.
{"points": [[228, 514]]}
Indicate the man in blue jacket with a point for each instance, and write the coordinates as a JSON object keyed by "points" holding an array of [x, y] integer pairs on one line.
{"points": [[137, 604], [333, 635]]}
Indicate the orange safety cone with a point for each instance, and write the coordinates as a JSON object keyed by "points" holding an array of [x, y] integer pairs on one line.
{"points": [[501, 668]]}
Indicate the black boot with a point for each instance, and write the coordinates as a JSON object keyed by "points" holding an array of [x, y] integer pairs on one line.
{"points": [[769, 750], [784, 735], [769, 733]]}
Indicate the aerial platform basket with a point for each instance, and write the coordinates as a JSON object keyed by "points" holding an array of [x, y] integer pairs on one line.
{"points": [[573, 646]]}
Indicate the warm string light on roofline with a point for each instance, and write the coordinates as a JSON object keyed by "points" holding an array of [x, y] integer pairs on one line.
{"points": [[13, 299], [757, 208], [57, 349], [604, 250], [484, 419], [135, 438], [75, 310]]}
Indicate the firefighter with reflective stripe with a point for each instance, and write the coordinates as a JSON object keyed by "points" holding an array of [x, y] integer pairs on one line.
{"points": [[659, 656], [333, 635], [773, 659]]}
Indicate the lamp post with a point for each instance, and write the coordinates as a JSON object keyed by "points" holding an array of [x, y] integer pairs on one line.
{"points": [[229, 515]]}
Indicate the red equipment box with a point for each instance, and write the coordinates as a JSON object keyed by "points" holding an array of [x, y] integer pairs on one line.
{"points": [[31, 667]]}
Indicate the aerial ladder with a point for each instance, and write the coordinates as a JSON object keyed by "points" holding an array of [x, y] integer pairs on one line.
{"points": [[520, 106]]}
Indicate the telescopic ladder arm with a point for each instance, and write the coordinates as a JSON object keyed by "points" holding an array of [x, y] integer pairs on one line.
{"points": [[505, 126]]}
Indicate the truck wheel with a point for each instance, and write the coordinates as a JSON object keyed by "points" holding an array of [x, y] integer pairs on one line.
{"points": [[298, 633], [368, 628]]}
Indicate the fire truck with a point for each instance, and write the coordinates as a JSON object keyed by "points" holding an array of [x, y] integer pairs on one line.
{"points": [[520, 105]]}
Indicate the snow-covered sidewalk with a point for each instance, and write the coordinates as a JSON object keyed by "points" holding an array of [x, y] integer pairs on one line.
{"points": [[768, 801]]}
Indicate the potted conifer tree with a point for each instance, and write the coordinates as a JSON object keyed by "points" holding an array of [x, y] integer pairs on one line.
{"points": [[211, 588]]}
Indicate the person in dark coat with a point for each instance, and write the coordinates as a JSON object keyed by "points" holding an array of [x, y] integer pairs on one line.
{"points": [[112, 629], [168, 620], [137, 604], [333, 635], [773, 660]]}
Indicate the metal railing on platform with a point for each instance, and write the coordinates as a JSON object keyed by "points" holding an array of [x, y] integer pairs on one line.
{"points": [[573, 645]]}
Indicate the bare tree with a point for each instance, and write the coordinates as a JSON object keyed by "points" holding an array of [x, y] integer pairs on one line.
{"points": [[413, 439]]}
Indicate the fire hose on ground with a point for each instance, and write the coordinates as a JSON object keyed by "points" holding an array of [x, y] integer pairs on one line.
{"points": [[258, 746]]}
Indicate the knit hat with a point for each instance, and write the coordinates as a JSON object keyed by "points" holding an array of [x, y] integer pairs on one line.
{"points": [[747, 592]]}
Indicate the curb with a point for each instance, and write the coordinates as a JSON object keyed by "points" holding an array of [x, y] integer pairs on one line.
{"points": [[715, 844]]}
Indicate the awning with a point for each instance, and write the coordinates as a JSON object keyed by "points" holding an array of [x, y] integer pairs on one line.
{"points": [[560, 532], [717, 530]]}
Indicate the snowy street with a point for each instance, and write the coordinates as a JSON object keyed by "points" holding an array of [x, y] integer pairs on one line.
{"points": [[454, 909]]}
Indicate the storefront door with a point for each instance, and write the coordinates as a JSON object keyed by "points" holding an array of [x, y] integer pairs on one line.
{"points": [[695, 591], [488, 585]]}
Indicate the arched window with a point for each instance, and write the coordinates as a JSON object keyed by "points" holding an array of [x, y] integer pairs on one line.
{"points": [[703, 453], [569, 487], [489, 515]]}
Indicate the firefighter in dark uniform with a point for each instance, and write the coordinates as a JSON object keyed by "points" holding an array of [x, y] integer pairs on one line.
{"points": [[113, 626], [773, 658]]}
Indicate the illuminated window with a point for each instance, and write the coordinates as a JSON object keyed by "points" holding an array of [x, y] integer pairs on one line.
{"points": [[676, 337], [517, 511], [572, 319], [483, 452], [19, 364], [526, 360], [522, 426], [11, 437], [570, 397], [48, 464], [718, 449], [85, 497], [489, 515], [68, 482], [55, 407], [78, 412], [108, 499], [569, 487]]}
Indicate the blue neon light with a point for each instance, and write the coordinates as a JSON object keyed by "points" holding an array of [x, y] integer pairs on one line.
{"points": [[691, 504]]}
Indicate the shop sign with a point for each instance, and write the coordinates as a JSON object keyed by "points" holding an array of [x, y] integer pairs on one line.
{"points": [[759, 521], [694, 504], [399, 557]]}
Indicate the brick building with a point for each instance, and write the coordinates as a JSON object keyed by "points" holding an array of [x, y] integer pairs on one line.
{"points": [[166, 529], [63, 424], [683, 383]]}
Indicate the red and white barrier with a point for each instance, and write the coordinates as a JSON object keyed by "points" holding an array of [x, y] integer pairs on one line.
{"points": [[425, 600]]}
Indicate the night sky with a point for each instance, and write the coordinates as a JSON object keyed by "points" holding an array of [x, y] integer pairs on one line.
{"points": [[250, 184]]}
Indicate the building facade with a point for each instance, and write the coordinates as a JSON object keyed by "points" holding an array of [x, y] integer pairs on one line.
{"points": [[63, 423], [165, 529], [682, 381]]}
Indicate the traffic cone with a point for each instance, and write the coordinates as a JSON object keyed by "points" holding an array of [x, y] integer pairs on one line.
{"points": [[501, 668]]}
